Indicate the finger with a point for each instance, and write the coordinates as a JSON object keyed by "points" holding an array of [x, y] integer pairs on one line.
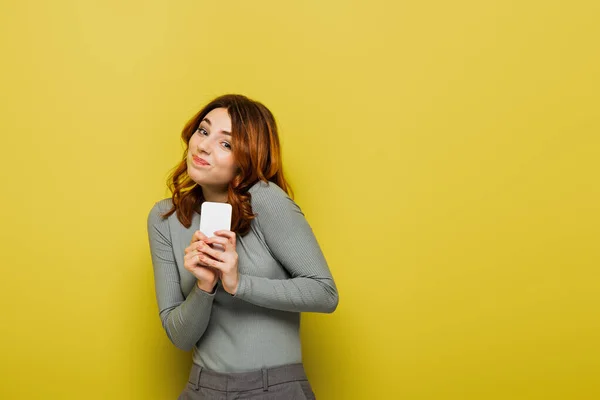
{"points": [[189, 261], [216, 239], [216, 254], [192, 260], [229, 235], [211, 262], [214, 242], [198, 236], [190, 248], [220, 243]]}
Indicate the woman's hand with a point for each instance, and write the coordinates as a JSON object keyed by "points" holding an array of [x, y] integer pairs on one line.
{"points": [[207, 276], [226, 262]]}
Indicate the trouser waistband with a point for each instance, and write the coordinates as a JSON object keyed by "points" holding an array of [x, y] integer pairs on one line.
{"points": [[202, 377]]}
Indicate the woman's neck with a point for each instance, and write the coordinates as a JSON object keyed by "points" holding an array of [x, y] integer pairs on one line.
{"points": [[214, 195]]}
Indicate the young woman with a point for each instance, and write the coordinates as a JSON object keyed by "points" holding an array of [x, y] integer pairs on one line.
{"points": [[238, 309]]}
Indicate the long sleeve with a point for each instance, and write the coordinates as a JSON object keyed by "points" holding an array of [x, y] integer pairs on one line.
{"points": [[184, 319], [292, 242]]}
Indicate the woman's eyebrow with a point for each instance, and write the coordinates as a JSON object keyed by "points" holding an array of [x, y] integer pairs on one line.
{"points": [[209, 124]]}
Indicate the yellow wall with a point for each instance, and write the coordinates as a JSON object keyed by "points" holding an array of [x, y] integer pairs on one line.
{"points": [[445, 153]]}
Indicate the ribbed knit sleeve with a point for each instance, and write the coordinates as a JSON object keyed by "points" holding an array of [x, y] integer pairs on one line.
{"points": [[292, 242], [184, 319]]}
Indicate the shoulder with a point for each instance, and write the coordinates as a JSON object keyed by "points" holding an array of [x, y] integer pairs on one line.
{"points": [[267, 190], [269, 198], [267, 194], [158, 209]]}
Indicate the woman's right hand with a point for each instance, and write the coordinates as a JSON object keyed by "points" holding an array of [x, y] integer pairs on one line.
{"points": [[207, 276]]}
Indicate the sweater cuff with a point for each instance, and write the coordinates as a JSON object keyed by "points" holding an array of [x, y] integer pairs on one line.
{"points": [[242, 286], [202, 293]]}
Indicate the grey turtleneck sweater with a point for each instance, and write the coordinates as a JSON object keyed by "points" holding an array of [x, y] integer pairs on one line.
{"points": [[282, 272]]}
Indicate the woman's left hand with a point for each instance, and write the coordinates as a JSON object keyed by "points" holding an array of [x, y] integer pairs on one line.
{"points": [[226, 262]]}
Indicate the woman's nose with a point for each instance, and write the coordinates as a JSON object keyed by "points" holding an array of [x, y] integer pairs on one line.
{"points": [[204, 145]]}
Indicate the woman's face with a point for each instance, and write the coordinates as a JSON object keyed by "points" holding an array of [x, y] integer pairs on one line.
{"points": [[210, 160]]}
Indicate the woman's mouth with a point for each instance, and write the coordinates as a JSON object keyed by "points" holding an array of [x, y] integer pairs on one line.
{"points": [[200, 161]]}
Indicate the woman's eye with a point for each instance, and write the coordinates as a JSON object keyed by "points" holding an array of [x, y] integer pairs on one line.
{"points": [[202, 131], [227, 145]]}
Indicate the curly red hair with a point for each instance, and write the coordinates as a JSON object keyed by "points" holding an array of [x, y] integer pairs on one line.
{"points": [[257, 153]]}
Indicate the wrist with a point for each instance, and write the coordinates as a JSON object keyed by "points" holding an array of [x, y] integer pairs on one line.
{"points": [[205, 286], [236, 289]]}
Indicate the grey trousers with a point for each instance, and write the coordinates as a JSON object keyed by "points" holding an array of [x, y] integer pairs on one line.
{"points": [[287, 382]]}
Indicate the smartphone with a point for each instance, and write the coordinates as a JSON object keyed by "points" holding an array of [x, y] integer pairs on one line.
{"points": [[215, 217]]}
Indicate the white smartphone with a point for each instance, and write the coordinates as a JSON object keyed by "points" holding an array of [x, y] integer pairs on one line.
{"points": [[215, 217]]}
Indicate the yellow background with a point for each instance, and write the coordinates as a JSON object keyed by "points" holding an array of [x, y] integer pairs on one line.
{"points": [[445, 153]]}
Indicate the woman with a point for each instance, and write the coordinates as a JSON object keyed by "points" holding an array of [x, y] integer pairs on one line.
{"points": [[238, 309]]}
